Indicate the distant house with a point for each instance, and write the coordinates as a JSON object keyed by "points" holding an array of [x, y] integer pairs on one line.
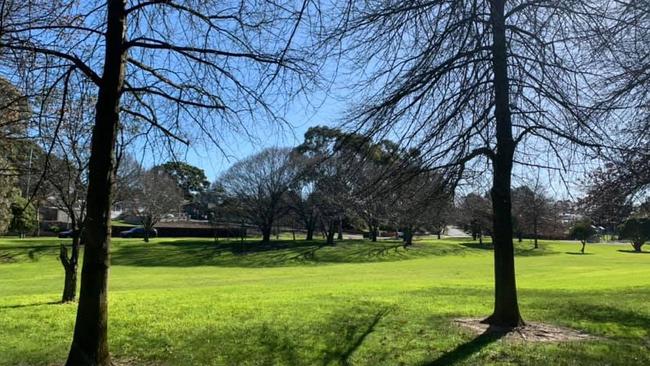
{"points": [[51, 214]]}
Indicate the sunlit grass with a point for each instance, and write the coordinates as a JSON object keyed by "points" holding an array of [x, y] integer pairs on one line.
{"points": [[197, 302]]}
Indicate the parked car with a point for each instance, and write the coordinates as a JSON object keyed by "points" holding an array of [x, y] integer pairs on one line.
{"points": [[138, 232], [68, 233]]}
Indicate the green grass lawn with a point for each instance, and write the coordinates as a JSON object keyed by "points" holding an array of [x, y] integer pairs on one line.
{"points": [[194, 302]]}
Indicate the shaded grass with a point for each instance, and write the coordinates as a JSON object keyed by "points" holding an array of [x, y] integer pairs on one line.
{"points": [[176, 302]]}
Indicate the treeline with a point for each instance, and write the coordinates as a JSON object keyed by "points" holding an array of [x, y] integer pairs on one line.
{"points": [[334, 179]]}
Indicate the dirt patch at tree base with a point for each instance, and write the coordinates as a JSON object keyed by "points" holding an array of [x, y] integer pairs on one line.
{"points": [[531, 332]]}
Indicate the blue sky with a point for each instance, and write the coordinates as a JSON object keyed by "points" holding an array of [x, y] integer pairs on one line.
{"points": [[318, 108]]}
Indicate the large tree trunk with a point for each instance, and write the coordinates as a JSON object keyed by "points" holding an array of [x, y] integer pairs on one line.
{"points": [[637, 246], [506, 308], [310, 232], [90, 339]]}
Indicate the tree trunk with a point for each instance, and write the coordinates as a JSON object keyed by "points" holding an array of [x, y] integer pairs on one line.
{"points": [[340, 233], [90, 339], [70, 265], [480, 238], [439, 234], [310, 233], [330, 233], [582, 250], [266, 234], [535, 233], [506, 308], [637, 247], [38, 220], [147, 225], [373, 234], [408, 237]]}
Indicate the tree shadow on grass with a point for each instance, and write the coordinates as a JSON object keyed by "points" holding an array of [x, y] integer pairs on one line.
{"points": [[607, 314], [466, 350], [19, 306], [333, 339], [578, 253], [25, 253], [521, 250], [349, 335], [188, 253], [631, 251]]}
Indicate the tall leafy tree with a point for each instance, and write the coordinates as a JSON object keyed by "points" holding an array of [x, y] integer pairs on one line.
{"points": [[190, 179], [637, 230], [23, 216]]}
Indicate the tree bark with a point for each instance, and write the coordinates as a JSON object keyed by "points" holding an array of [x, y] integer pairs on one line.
{"points": [[637, 247], [340, 232], [310, 233], [408, 237], [330, 233], [535, 233], [373, 234], [582, 250], [506, 308], [266, 234], [70, 265], [90, 339]]}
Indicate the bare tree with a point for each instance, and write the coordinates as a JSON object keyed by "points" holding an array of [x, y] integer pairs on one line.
{"points": [[531, 208], [621, 49], [417, 203], [301, 200], [258, 186], [462, 80], [156, 196], [167, 69], [68, 144], [475, 213]]}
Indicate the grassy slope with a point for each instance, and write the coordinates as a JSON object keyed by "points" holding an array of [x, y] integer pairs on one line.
{"points": [[191, 302]]}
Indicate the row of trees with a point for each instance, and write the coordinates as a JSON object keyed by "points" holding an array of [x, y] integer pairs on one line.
{"points": [[334, 177], [534, 214]]}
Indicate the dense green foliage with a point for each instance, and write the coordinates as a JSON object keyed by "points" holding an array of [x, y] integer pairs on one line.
{"points": [[192, 301], [7, 193], [583, 231], [190, 179], [637, 230], [23, 216]]}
